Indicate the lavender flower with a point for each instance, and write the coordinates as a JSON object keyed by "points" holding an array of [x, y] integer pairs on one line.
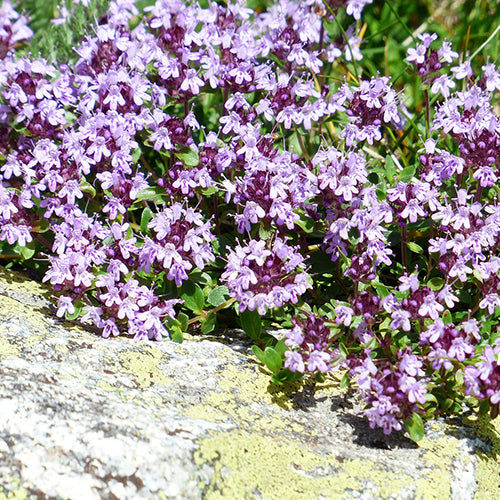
{"points": [[263, 278], [310, 346], [182, 239]]}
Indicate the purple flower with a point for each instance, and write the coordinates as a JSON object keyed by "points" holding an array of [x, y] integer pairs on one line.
{"points": [[483, 379], [181, 239], [264, 278], [65, 305], [310, 344]]}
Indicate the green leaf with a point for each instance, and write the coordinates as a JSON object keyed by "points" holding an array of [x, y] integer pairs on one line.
{"points": [[272, 359], [78, 305], [176, 334], [86, 187], [218, 296], [267, 340], [343, 350], [146, 216], [259, 353], [447, 318], [136, 154], [251, 324], [285, 376], [281, 347], [407, 174], [189, 157], [381, 194], [27, 251], [436, 283], [345, 260], [70, 117], [192, 295], [306, 223], [484, 407], [346, 379], [447, 404], [414, 247], [209, 191], [415, 427], [156, 194], [390, 169], [208, 323], [382, 290], [183, 320]]}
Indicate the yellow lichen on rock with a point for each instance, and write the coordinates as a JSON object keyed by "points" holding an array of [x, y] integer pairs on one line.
{"points": [[20, 494], [11, 309], [16, 283], [487, 474], [439, 456], [8, 346], [246, 464], [141, 364]]}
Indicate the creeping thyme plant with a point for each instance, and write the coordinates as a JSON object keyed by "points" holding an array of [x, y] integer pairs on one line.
{"points": [[192, 166]]}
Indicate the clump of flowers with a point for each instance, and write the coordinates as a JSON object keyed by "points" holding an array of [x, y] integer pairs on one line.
{"points": [[203, 165], [263, 278], [13, 28]]}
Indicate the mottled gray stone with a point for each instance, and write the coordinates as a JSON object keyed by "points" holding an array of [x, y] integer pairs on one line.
{"points": [[86, 418]]}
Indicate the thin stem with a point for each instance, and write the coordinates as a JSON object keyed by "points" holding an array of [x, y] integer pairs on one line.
{"points": [[404, 245], [43, 241], [427, 112], [488, 40], [216, 214], [356, 74], [321, 35], [429, 261], [148, 167], [302, 146], [395, 12], [479, 191], [204, 314]]}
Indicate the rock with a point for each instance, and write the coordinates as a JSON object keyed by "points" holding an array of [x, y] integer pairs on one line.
{"points": [[86, 418]]}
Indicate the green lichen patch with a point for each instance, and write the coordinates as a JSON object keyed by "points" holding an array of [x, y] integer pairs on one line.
{"points": [[141, 362], [9, 346], [20, 494], [488, 467], [247, 465], [11, 309]]}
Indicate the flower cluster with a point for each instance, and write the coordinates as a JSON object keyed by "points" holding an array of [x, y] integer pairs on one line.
{"points": [[13, 28], [393, 391], [199, 162], [262, 278], [483, 379], [181, 242], [310, 343], [368, 107]]}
